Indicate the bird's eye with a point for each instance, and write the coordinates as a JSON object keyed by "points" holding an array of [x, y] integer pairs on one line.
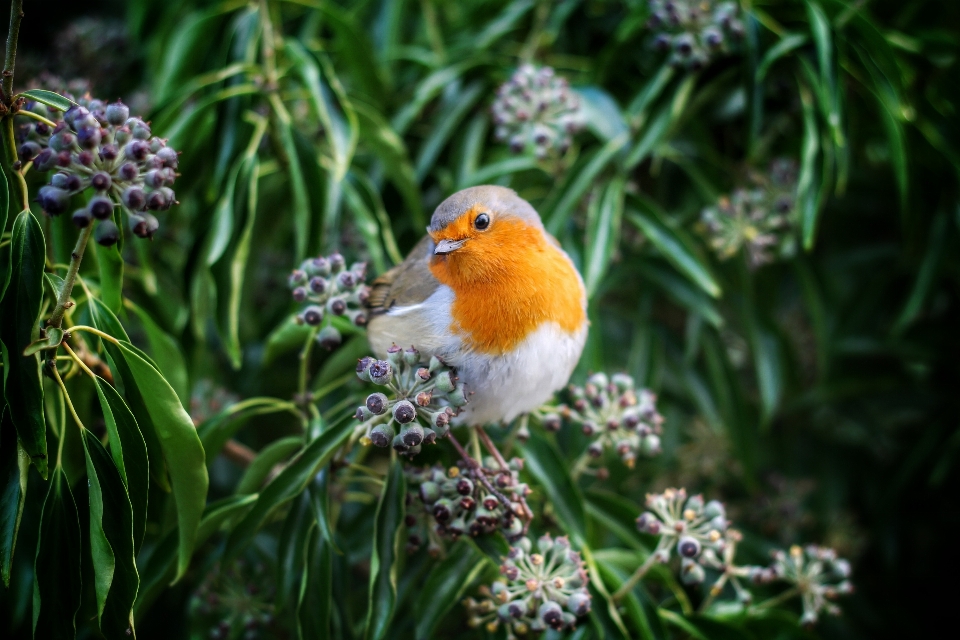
{"points": [[482, 221]]}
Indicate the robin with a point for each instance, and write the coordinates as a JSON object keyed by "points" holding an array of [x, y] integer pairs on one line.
{"points": [[491, 293]]}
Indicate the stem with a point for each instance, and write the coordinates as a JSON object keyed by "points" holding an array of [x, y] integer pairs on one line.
{"points": [[57, 318], [66, 396], [77, 359], [37, 116], [775, 600], [475, 445], [305, 363], [16, 15], [269, 49], [488, 443], [105, 336], [637, 576]]}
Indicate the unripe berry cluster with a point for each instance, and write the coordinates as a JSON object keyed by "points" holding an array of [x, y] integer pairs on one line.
{"points": [[617, 415], [758, 220], [687, 525], [456, 502], [99, 147], [329, 289], [536, 110], [236, 602], [420, 402], [542, 588], [694, 31], [702, 538], [817, 573]]}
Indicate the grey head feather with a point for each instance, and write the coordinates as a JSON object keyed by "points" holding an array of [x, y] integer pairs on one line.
{"points": [[499, 202]]}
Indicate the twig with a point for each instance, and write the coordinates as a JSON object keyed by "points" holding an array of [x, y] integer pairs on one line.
{"points": [[64, 298], [488, 443], [476, 470], [637, 576], [16, 15], [238, 453], [66, 396]]}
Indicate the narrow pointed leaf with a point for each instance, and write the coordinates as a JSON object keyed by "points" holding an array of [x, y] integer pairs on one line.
{"points": [[166, 353], [113, 519], [129, 453], [445, 587], [48, 98], [266, 459], [181, 447], [387, 531], [14, 464], [551, 472], [57, 585], [19, 312], [316, 588], [674, 250], [111, 276], [287, 485]]}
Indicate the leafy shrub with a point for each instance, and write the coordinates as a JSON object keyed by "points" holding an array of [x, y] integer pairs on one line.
{"points": [[761, 198]]}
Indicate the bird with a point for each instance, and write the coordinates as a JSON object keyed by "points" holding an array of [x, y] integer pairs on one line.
{"points": [[490, 293]]}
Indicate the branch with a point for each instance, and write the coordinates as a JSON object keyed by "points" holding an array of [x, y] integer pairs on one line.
{"points": [[63, 299], [16, 15]]}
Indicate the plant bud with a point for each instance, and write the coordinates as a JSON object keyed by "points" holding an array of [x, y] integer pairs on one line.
{"points": [[106, 234], [691, 572], [101, 207], [651, 445], [578, 603], [337, 306], [404, 412], [45, 160], [688, 547], [168, 157], [713, 509], [648, 523], [53, 200], [337, 263], [429, 492], [82, 218], [358, 318], [382, 435], [464, 486], [363, 368], [442, 510], [377, 403], [457, 397], [101, 181], [64, 159], [444, 382], [299, 294], [329, 338], [117, 113], [363, 414], [128, 171], [89, 137], [317, 285], [411, 356], [399, 445], [134, 198], [29, 150], [412, 434], [138, 128], [346, 281], [551, 614], [317, 267], [313, 315], [380, 372], [160, 199], [153, 179], [551, 422]]}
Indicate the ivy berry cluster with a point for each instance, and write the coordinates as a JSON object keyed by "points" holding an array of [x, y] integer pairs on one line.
{"points": [[694, 31], [98, 147], [421, 402], [329, 289]]}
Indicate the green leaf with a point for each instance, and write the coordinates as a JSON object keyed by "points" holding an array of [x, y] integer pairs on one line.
{"points": [[14, 465], [48, 98], [543, 462], [601, 113], [491, 172], [166, 353], [446, 585], [19, 313], [451, 114], [392, 152], [104, 320], [294, 535], [505, 22], [320, 502], [53, 336], [585, 179], [287, 485], [341, 128], [260, 468], [316, 588], [183, 53], [387, 533], [681, 291], [4, 213], [111, 541], [129, 453], [162, 564], [288, 336], [181, 447], [111, 276], [806, 194], [787, 44], [305, 228], [673, 249], [57, 587], [637, 108], [603, 233]]}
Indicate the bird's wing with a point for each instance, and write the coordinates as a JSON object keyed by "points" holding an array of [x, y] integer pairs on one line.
{"points": [[407, 284]]}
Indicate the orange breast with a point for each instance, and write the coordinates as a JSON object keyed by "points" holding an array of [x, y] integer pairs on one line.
{"points": [[508, 281]]}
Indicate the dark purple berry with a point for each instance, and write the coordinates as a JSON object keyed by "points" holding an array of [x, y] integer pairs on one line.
{"points": [[101, 181], [53, 200], [89, 137], [117, 113], [138, 150], [82, 218], [100, 207], [128, 171], [134, 198], [168, 156], [29, 150], [109, 152], [107, 234], [45, 160]]}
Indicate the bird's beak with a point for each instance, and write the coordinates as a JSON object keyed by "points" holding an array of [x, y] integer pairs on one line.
{"points": [[447, 246]]}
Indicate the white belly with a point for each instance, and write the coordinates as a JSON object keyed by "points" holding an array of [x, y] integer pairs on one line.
{"points": [[502, 387]]}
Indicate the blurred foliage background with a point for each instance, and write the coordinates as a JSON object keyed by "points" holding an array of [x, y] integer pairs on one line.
{"points": [[815, 392]]}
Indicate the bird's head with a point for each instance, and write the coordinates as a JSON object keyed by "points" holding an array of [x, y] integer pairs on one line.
{"points": [[482, 234]]}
